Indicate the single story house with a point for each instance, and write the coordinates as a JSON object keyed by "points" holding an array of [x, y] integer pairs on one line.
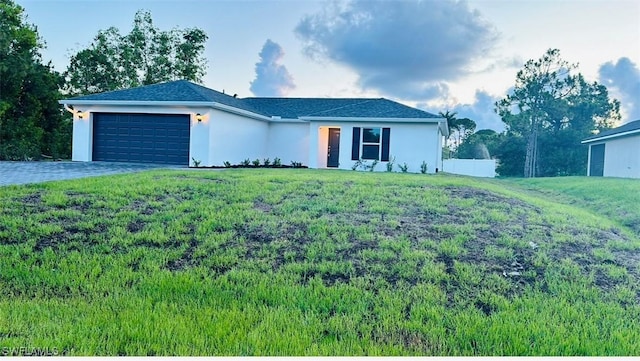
{"points": [[615, 152], [183, 123]]}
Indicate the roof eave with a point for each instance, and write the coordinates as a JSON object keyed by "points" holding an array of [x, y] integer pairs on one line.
{"points": [[610, 136], [442, 122], [239, 111], [373, 120], [147, 103], [133, 102], [276, 119]]}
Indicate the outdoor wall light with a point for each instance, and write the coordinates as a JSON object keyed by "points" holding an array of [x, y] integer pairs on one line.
{"points": [[80, 115], [199, 117]]}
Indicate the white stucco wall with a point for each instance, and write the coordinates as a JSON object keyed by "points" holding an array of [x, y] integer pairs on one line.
{"points": [[82, 138], [200, 139], [440, 144], [288, 141], [323, 145], [410, 143], [622, 157], [415, 143], [471, 167], [235, 138]]}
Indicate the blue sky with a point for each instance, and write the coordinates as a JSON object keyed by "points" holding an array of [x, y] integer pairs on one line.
{"points": [[434, 54]]}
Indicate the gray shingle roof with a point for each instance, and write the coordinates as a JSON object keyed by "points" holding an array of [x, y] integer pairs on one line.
{"points": [[173, 91], [628, 127], [185, 91], [335, 107]]}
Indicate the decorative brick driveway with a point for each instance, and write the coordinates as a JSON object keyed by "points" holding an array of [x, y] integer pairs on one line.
{"points": [[36, 172]]}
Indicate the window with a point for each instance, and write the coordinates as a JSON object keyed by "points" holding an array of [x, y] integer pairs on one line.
{"points": [[371, 143]]}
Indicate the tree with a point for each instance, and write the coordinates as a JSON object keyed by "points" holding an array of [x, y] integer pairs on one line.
{"points": [[588, 109], [510, 155], [31, 123], [459, 129], [144, 56], [479, 145], [551, 106], [463, 128]]}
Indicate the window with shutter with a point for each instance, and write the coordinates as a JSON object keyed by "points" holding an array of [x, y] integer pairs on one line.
{"points": [[371, 144]]}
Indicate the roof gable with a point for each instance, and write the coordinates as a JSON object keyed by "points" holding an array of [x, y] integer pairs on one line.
{"points": [[292, 108], [630, 127]]}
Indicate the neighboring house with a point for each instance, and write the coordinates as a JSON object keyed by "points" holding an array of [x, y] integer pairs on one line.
{"points": [[615, 152], [179, 122]]}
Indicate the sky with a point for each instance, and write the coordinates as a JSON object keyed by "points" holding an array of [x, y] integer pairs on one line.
{"points": [[436, 55]]}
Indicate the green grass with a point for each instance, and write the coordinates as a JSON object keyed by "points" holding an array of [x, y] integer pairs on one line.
{"points": [[615, 198], [310, 262]]}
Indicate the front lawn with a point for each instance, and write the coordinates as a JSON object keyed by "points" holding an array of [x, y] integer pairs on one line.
{"points": [[312, 262], [615, 198]]}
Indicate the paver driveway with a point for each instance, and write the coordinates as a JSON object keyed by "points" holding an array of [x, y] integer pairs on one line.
{"points": [[35, 172]]}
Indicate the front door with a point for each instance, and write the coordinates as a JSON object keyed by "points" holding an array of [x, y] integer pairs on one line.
{"points": [[333, 149]]}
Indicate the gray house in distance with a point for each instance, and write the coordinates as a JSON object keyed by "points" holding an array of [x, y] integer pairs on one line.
{"points": [[615, 152]]}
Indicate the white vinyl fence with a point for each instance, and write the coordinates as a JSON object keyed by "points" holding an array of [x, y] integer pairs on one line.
{"points": [[472, 167]]}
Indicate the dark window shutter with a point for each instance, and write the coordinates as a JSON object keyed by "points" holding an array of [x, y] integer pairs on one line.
{"points": [[355, 146], [386, 132]]}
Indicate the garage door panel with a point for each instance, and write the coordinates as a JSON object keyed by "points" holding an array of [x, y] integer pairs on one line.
{"points": [[146, 138], [172, 144], [135, 132]]}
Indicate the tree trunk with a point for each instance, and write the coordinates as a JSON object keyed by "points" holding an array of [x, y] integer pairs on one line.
{"points": [[534, 168], [531, 155]]}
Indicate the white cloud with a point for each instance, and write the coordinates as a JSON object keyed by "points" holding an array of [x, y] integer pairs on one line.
{"points": [[272, 78], [401, 48], [622, 79], [481, 111]]}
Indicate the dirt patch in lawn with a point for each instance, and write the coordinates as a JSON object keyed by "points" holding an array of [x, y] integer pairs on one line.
{"points": [[80, 201], [135, 226], [507, 247], [292, 243], [71, 238], [185, 260], [260, 205], [34, 199], [491, 234], [286, 242], [142, 207]]}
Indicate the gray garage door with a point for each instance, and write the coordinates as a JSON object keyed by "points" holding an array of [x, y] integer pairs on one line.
{"points": [[141, 138]]}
